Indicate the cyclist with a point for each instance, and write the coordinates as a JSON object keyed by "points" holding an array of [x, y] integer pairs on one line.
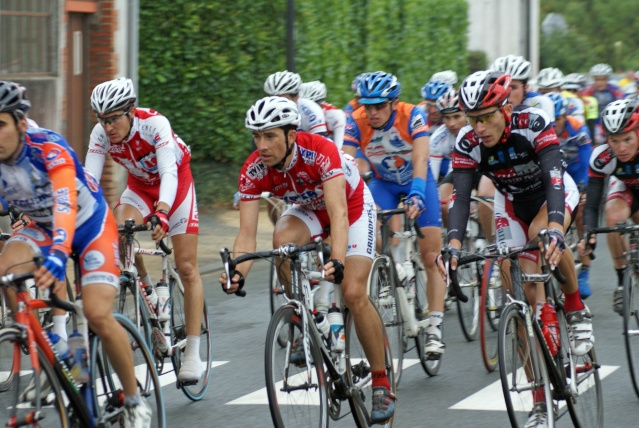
{"points": [[159, 187], [573, 86], [604, 92], [288, 84], [430, 92], [518, 150], [618, 160], [576, 148], [550, 79], [394, 138], [42, 176], [327, 192], [335, 118], [520, 71]]}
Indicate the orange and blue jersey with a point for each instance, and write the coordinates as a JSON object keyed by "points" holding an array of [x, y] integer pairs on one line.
{"points": [[48, 183], [351, 107], [390, 149], [576, 146]]}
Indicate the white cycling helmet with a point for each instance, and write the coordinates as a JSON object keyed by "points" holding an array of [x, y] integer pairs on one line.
{"points": [[550, 78], [517, 66], [283, 83], [601, 70], [272, 112], [113, 95], [314, 91], [447, 76], [574, 81], [448, 102], [620, 116]]}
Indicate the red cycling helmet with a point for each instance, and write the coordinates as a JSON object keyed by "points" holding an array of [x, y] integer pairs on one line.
{"points": [[484, 89]]}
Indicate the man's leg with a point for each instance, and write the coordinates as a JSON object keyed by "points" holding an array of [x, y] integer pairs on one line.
{"points": [[185, 250]]}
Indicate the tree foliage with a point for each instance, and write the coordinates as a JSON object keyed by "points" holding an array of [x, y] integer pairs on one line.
{"points": [[203, 63], [594, 29]]}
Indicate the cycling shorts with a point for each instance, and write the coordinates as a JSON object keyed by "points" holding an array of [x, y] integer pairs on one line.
{"points": [[617, 189], [96, 243], [361, 232], [512, 218], [183, 217], [388, 195]]}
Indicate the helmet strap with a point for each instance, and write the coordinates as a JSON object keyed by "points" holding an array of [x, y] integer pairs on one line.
{"points": [[289, 149]]}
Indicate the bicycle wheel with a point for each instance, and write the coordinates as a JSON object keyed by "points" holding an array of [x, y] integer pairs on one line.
{"points": [[276, 290], [522, 368], [492, 297], [469, 281], [358, 373], [431, 363], [631, 325], [586, 406], [18, 398], [194, 390], [381, 289], [125, 304], [297, 394], [107, 387]]}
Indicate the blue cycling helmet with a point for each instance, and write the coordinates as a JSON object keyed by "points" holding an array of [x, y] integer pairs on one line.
{"points": [[560, 102], [435, 89], [377, 87]]}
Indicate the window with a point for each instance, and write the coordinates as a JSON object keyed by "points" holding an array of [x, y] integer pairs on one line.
{"points": [[28, 45]]}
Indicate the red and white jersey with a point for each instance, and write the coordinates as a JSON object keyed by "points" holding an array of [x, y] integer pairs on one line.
{"points": [[335, 122], [151, 151], [315, 160], [312, 116]]}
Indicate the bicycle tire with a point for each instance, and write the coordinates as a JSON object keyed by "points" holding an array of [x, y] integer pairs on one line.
{"points": [[358, 373], [107, 386], [382, 291], [4, 315], [196, 391], [469, 277], [276, 294], [631, 324], [125, 304], [431, 366], [306, 404], [490, 306], [52, 407], [516, 386]]}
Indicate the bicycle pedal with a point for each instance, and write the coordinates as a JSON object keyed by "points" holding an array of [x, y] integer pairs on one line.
{"points": [[187, 383], [433, 356]]}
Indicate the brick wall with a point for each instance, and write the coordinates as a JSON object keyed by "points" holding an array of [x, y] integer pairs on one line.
{"points": [[102, 67]]}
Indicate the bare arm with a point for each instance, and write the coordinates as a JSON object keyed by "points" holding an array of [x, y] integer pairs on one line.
{"points": [[335, 196]]}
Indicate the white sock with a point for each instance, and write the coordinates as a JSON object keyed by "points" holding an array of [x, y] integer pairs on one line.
{"points": [[60, 326], [434, 327], [146, 280], [192, 348]]}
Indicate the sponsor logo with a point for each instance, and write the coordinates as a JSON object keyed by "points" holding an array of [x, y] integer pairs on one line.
{"points": [[57, 162], [308, 156], [62, 200], [92, 183], [34, 234], [59, 236], [53, 153], [256, 171], [556, 178], [93, 260], [99, 278]]}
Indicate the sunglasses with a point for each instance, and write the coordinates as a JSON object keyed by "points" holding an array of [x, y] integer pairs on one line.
{"points": [[111, 119], [376, 107], [482, 118]]}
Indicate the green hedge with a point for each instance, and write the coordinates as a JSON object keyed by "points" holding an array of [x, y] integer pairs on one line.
{"points": [[203, 63]]}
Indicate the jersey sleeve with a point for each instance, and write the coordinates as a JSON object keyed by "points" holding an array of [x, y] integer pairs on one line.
{"points": [[96, 154], [165, 149], [62, 172], [417, 125], [252, 177], [352, 136]]}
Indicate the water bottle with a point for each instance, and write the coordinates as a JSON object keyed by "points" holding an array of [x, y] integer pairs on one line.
{"points": [[164, 303], [322, 297], [550, 328], [151, 296], [336, 320], [80, 368], [78, 346], [61, 347], [322, 324]]}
